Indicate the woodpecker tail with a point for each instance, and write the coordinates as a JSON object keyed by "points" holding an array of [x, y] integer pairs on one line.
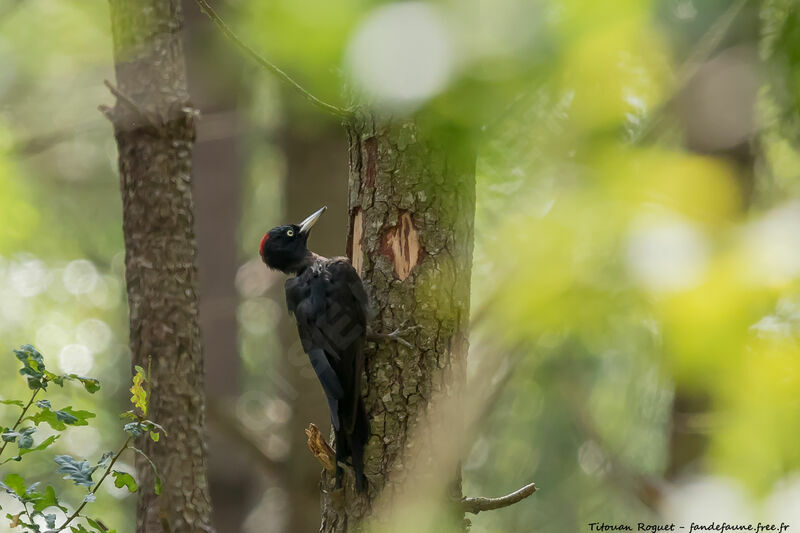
{"points": [[358, 439], [351, 444]]}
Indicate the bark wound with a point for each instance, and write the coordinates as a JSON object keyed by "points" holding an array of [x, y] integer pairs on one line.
{"points": [[354, 248], [401, 245]]}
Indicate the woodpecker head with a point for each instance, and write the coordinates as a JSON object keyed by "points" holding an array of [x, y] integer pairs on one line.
{"points": [[284, 247]]}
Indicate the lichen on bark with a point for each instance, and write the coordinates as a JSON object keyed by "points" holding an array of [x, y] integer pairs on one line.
{"points": [[411, 206]]}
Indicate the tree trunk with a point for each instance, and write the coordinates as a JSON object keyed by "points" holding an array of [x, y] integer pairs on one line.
{"points": [[411, 208], [154, 127]]}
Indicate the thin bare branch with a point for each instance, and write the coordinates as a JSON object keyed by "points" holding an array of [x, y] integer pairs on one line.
{"points": [[478, 504], [21, 416], [77, 512], [132, 104], [272, 67]]}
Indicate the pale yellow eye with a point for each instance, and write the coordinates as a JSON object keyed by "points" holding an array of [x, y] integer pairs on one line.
{"points": [[290, 233]]}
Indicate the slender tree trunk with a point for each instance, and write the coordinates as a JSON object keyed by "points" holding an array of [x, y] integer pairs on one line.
{"points": [[411, 207], [154, 127]]}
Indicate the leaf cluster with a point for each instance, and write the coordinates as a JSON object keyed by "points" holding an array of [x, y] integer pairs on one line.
{"points": [[39, 506]]}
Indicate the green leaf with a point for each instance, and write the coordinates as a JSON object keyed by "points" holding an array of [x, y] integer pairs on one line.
{"points": [[124, 479], [41, 446], [104, 460], [47, 499], [33, 366], [97, 525], [80, 472], [43, 404], [139, 428], [89, 498], [158, 482], [55, 378], [60, 419], [91, 385], [138, 392], [49, 416], [30, 492], [18, 403], [66, 417], [152, 425], [23, 438], [79, 529], [134, 428], [14, 484], [155, 435]]}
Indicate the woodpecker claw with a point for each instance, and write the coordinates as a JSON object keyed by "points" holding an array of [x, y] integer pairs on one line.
{"points": [[395, 335]]}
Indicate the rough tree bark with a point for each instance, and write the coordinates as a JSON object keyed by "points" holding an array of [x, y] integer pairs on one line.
{"points": [[411, 208], [154, 127]]}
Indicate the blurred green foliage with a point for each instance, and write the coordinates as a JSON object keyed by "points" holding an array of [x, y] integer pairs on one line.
{"points": [[627, 267]]}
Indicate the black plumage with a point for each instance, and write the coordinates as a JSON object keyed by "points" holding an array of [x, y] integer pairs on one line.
{"points": [[329, 303]]}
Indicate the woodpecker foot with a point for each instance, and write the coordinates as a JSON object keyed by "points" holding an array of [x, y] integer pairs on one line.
{"points": [[396, 335]]}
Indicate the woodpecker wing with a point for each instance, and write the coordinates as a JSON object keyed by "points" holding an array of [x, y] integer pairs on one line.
{"points": [[330, 305], [346, 287]]}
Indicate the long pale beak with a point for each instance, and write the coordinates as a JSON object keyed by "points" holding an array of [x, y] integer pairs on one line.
{"points": [[305, 226]]}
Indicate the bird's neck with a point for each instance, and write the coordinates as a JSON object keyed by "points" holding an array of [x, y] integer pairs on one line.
{"points": [[309, 259]]}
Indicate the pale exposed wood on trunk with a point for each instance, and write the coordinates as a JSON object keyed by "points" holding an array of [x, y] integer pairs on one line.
{"points": [[401, 245]]}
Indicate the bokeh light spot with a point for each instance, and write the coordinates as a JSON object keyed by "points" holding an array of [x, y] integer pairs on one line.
{"points": [[75, 359], [666, 253], [80, 277], [402, 54]]}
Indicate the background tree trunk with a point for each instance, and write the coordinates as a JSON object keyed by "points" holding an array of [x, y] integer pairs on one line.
{"points": [[411, 208], [154, 127], [734, 66], [217, 165]]}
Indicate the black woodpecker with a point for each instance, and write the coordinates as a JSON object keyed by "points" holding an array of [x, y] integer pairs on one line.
{"points": [[328, 301]]}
